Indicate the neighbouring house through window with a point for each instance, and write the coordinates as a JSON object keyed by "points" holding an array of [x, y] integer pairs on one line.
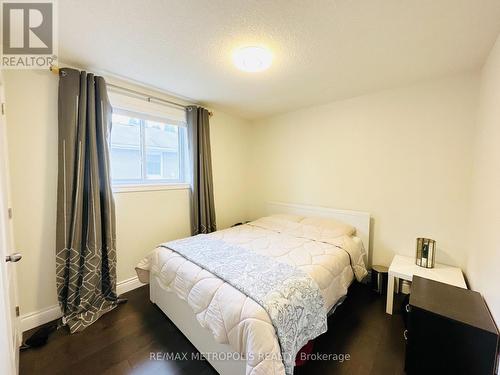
{"points": [[147, 149]]}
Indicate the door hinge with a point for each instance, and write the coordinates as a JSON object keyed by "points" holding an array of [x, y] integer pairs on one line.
{"points": [[3, 108], [17, 311], [9, 211]]}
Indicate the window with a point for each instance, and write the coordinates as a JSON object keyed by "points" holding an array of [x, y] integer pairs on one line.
{"points": [[147, 150]]}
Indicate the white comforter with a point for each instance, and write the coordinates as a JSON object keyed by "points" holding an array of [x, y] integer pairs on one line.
{"points": [[236, 319]]}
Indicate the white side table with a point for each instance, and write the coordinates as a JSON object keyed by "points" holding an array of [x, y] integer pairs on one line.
{"points": [[404, 268]]}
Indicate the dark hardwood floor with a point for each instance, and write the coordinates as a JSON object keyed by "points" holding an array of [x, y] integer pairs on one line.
{"points": [[122, 341]]}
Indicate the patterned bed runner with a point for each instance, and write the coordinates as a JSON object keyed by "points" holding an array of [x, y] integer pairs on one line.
{"points": [[290, 296]]}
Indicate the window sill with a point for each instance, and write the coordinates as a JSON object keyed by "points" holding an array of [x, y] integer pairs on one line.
{"points": [[147, 187]]}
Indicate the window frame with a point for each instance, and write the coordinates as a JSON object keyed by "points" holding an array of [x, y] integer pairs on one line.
{"points": [[145, 184]]}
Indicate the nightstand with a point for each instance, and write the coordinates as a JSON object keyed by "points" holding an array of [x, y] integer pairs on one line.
{"points": [[404, 268]]}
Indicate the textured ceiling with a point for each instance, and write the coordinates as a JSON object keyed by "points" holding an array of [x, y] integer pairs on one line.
{"points": [[323, 49]]}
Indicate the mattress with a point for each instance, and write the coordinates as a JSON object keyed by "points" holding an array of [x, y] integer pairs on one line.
{"points": [[330, 258]]}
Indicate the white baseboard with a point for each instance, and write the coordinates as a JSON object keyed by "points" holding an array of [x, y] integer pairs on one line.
{"points": [[127, 285], [39, 317]]}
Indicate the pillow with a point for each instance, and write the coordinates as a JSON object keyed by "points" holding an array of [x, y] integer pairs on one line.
{"points": [[277, 223], [333, 227], [287, 217]]}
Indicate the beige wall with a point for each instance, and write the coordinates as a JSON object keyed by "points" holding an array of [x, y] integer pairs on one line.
{"points": [[144, 219], [483, 263], [31, 109], [403, 155], [230, 142]]}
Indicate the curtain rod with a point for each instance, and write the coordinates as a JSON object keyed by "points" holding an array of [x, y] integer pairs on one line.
{"points": [[55, 70]]}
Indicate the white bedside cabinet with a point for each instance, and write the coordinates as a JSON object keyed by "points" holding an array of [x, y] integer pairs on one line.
{"points": [[404, 268]]}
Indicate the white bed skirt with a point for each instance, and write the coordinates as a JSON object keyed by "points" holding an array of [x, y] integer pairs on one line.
{"points": [[179, 312]]}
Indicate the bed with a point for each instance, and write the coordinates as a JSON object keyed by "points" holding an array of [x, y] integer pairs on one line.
{"points": [[234, 332]]}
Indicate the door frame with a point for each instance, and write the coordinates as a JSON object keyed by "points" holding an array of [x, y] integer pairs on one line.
{"points": [[10, 334]]}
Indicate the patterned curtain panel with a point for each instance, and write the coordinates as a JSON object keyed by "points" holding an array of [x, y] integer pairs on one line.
{"points": [[202, 201], [85, 254]]}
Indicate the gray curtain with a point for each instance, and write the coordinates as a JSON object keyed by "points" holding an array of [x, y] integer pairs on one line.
{"points": [[202, 199], [85, 254]]}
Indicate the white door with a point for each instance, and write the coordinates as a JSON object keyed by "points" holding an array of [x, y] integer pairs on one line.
{"points": [[10, 335]]}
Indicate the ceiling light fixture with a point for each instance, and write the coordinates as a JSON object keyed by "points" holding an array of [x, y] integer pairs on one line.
{"points": [[252, 59]]}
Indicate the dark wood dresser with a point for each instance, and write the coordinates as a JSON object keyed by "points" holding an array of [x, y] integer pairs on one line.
{"points": [[450, 331]]}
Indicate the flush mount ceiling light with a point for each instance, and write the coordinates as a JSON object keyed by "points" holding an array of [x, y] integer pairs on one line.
{"points": [[252, 59]]}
